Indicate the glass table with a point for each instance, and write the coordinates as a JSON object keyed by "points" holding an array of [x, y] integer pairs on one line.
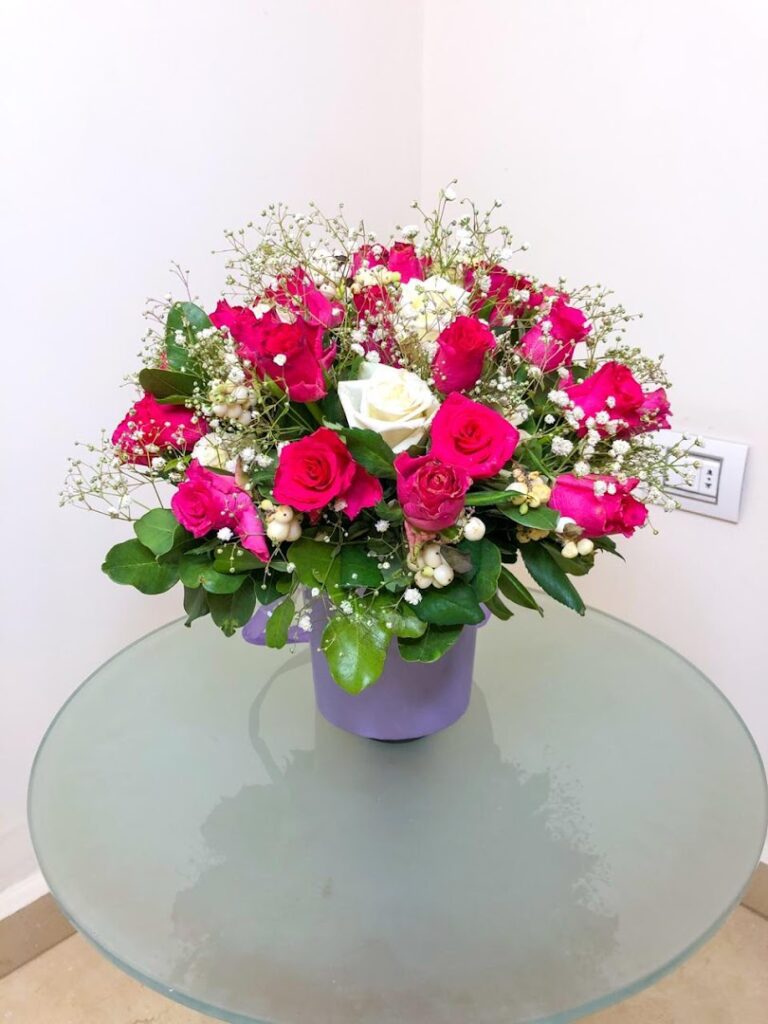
{"points": [[591, 820]]}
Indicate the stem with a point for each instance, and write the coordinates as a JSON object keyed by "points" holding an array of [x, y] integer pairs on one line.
{"points": [[316, 411], [478, 498]]}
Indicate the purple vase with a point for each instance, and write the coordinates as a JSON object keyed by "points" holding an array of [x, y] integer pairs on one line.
{"points": [[408, 701]]}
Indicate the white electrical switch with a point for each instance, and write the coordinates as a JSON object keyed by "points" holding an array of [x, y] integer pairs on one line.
{"points": [[714, 487]]}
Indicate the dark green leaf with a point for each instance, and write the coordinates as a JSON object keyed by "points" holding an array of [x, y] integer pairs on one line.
{"points": [[541, 518], [370, 450], [486, 566], [513, 590], [279, 623], [230, 611], [431, 645], [356, 649], [159, 530], [390, 511], [607, 544], [195, 604], [134, 564], [578, 566], [168, 384], [199, 571], [234, 557], [316, 563], [497, 607], [454, 605], [187, 318], [267, 589], [397, 615], [550, 576], [357, 569]]}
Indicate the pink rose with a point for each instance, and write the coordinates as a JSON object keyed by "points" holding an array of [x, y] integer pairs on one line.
{"points": [[207, 501], [318, 470], [369, 256], [472, 437], [297, 291], [503, 292], [458, 364], [403, 259], [375, 310], [638, 411], [431, 492], [616, 512], [291, 354], [551, 343], [151, 428]]}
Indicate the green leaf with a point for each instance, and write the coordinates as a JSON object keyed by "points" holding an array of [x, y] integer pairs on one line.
{"points": [[481, 498], [486, 566], [578, 566], [134, 564], [357, 569], [195, 604], [550, 576], [607, 544], [515, 591], [390, 511], [230, 611], [370, 450], [159, 530], [168, 384], [398, 616], [316, 563], [454, 605], [199, 571], [497, 607], [356, 649], [279, 623], [234, 557], [431, 645], [187, 318], [541, 518]]}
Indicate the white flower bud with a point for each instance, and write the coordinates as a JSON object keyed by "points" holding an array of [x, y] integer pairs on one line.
{"points": [[585, 546], [443, 574], [283, 514], [277, 532], [474, 529], [570, 550]]}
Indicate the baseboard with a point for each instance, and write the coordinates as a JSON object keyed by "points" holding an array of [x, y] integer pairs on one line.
{"points": [[756, 896], [31, 929], [20, 895], [32, 923]]}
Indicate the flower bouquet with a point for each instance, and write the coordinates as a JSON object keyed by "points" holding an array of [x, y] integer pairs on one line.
{"points": [[370, 438]]}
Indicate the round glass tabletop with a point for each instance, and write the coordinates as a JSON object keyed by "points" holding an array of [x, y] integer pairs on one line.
{"points": [[592, 819]]}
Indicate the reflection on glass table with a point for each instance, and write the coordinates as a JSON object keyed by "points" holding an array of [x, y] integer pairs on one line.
{"points": [[587, 824]]}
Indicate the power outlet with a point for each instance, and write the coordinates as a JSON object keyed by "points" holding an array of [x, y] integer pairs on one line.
{"points": [[714, 486]]}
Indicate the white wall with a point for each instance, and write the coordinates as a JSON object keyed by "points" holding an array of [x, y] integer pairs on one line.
{"points": [[630, 146], [136, 132]]}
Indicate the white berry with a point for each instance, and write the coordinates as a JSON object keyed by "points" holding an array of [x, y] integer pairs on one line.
{"points": [[570, 550], [294, 530], [422, 581], [277, 531], [430, 553], [474, 529], [283, 514], [443, 574], [585, 546]]}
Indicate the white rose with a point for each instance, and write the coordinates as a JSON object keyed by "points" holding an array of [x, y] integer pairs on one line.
{"points": [[396, 403], [427, 307], [209, 452]]}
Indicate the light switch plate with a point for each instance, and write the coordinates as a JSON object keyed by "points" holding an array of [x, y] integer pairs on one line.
{"points": [[715, 486]]}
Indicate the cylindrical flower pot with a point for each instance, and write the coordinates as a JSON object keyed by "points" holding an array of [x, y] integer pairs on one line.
{"points": [[409, 700]]}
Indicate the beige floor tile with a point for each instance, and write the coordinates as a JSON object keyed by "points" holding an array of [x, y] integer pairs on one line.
{"points": [[724, 983]]}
